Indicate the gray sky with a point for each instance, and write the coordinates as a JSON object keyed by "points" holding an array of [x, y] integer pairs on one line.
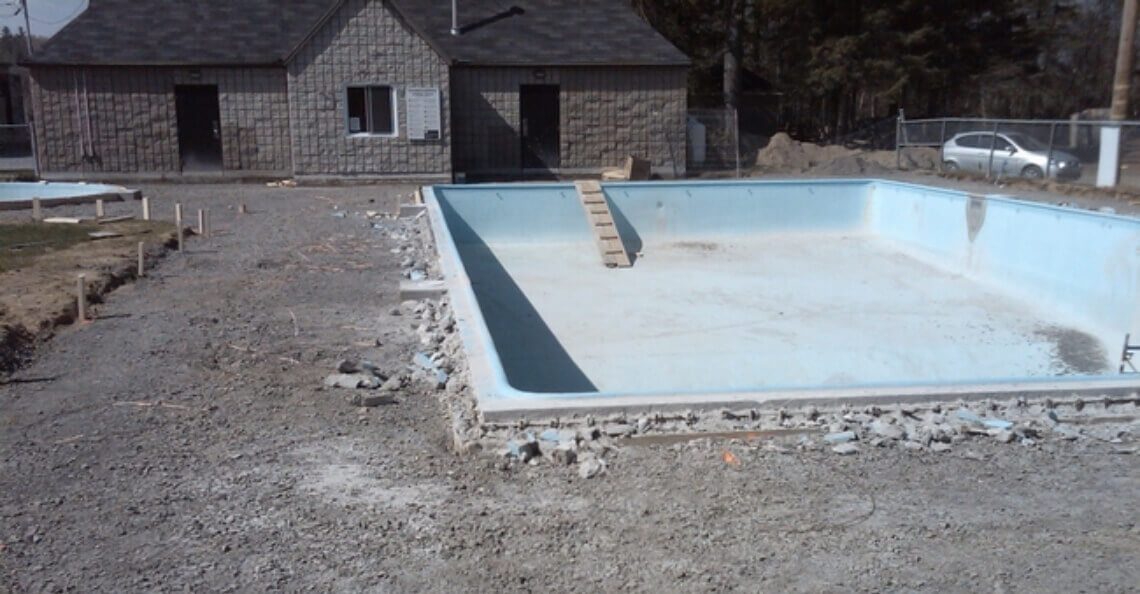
{"points": [[48, 16]]}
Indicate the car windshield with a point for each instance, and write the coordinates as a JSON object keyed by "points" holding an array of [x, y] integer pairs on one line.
{"points": [[1027, 142]]}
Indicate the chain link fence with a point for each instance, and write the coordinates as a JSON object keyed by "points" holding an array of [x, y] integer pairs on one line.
{"points": [[1066, 150], [712, 142]]}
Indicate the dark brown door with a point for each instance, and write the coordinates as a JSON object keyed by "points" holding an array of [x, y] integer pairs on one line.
{"points": [[539, 114], [199, 127]]}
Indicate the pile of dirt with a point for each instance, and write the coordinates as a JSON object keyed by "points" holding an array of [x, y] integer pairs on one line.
{"points": [[851, 164], [918, 157], [15, 347], [785, 155]]}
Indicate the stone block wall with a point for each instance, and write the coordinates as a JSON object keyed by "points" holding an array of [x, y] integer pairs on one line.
{"points": [[123, 119], [364, 43], [606, 113]]}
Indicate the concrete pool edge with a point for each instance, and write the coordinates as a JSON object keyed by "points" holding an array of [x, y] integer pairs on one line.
{"points": [[505, 408], [498, 400]]}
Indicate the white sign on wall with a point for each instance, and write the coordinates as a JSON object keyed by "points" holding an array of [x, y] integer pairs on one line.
{"points": [[424, 114]]}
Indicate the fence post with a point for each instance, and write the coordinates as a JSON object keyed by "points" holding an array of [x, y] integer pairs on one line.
{"points": [[81, 297], [178, 223], [993, 145], [941, 143], [35, 151], [898, 140], [1049, 156], [736, 138]]}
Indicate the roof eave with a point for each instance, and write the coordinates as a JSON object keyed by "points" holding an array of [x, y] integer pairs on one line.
{"points": [[157, 64], [611, 64]]}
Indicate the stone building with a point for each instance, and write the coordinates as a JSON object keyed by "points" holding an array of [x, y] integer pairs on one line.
{"points": [[356, 88]]}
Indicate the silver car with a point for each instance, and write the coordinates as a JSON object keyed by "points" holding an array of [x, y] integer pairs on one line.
{"points": [[1013, 154]]}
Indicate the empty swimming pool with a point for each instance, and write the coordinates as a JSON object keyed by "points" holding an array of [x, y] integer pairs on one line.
{"points": [[744, 293]]}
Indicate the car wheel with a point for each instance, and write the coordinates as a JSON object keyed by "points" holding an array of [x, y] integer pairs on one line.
{"points": [[949, 166], [1032, 172]]}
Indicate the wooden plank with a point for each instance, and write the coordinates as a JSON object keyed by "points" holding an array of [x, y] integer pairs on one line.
{"points": [[106, 220], [598, 214]]}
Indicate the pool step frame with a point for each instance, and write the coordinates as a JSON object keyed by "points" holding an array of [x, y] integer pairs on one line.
{"points": [[601, 222]]}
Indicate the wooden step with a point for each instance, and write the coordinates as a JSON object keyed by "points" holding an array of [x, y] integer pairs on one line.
{"points": [[602, 222]]}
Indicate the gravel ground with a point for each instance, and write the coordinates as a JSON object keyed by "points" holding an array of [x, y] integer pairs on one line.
{"points": [[183, 441]]}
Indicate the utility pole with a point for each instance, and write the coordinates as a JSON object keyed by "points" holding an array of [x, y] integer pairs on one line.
{"points": [[1108, 170], [27, 26]]}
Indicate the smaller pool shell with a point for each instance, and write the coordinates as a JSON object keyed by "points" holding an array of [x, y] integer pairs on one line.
{"points": [[19, 195], [775, 293]]}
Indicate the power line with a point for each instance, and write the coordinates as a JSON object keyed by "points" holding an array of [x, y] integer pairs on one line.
{"points": [[10, 4]]}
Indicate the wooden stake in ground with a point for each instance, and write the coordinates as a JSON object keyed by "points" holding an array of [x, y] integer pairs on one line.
{"points": [[241, 208], [201, 222], [142, 254], [146, 208], [99, 213], [81, 297], [37, 210], [178, 223]]}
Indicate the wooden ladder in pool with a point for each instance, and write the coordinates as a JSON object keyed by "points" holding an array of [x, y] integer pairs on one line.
{"points": [[602, 222]]}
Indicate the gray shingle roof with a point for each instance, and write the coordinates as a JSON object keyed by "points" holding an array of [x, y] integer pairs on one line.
{"points": [[547, 32], [192, 32], [241, 32]]}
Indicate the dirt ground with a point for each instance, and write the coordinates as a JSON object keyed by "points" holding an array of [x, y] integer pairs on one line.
{"points": [[38, 282], [183, 441]]}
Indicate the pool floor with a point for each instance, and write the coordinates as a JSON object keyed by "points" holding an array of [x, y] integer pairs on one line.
{"points": [[773, 310]]}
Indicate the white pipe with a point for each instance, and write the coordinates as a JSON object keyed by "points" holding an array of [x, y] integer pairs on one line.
{"points": [[78, 116], [87, 117], [455, 17]]}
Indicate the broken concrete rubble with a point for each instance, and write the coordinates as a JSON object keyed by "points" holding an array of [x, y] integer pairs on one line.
{"points": [[353, 380], [887, 430], [524, 449], [371, 399], [564, 455], [353, 366], [591, 466], [839, 437], [846, 449], [429, 365]]}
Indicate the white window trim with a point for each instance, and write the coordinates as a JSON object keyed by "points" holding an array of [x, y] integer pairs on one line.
{"points": [[395, 133]]}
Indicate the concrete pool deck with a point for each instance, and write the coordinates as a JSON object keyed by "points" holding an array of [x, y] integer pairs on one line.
{"points": [[734, 314]]}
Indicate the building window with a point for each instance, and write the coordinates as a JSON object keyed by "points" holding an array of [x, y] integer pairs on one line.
{"points": [[372, 110]]}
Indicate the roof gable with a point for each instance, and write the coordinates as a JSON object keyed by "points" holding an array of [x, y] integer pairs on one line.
{"points": [[184, 32], [540, 32]]}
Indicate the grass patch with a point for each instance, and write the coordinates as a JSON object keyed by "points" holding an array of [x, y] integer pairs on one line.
{"points": [[21, 244]]}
